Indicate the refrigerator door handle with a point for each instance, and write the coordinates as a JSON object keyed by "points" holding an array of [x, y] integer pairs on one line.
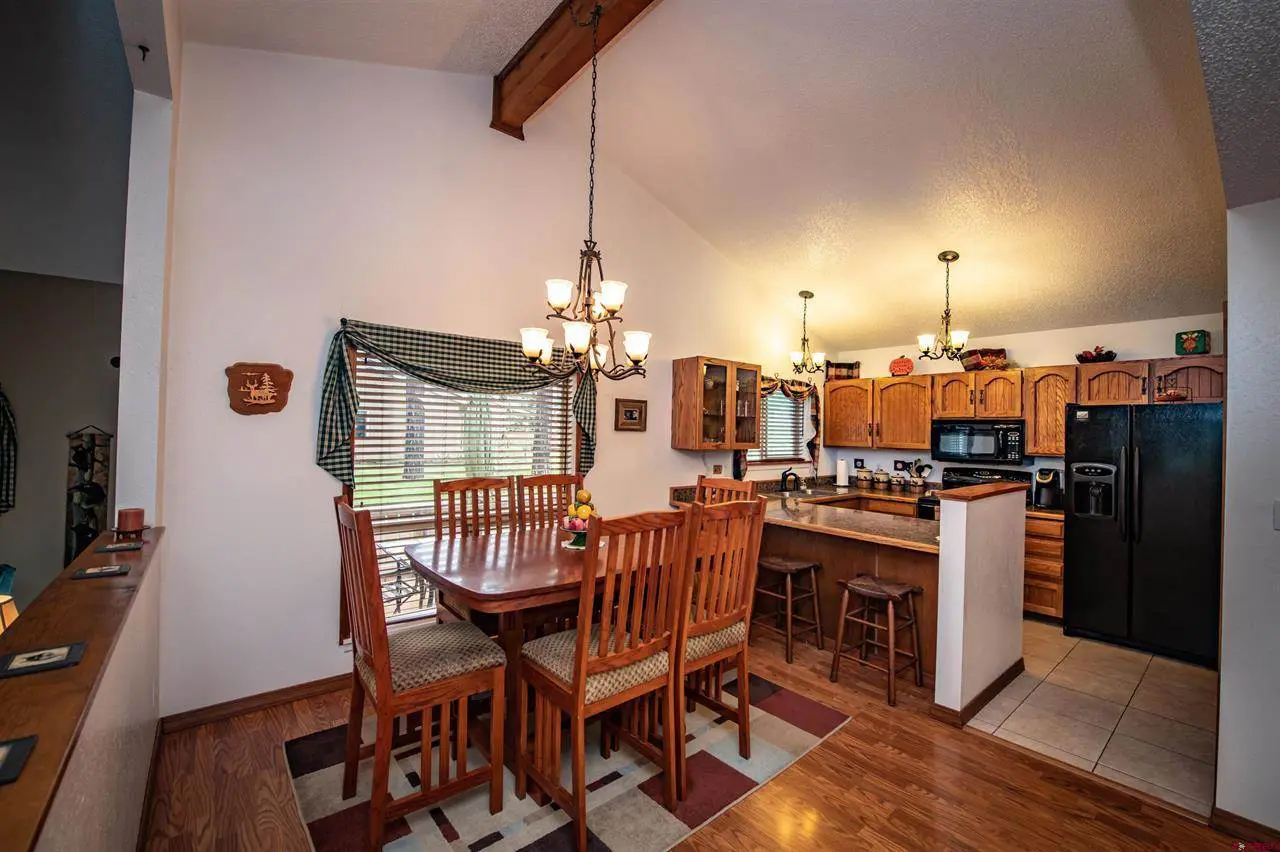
{"points": [[1137, 494], [1122, 506]]}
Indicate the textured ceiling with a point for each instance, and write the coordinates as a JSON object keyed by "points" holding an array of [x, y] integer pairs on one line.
{"points": [[1064, 149], [1240, 53], [467, 36]]}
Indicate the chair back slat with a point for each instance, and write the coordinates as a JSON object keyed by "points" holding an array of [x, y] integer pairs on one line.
{"points": [[475, 506], [542, 500], [711, 491], [362, 591], [722, 570], [638, 564]]}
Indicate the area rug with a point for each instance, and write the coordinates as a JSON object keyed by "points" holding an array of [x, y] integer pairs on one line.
{"points": [[624, 793]]}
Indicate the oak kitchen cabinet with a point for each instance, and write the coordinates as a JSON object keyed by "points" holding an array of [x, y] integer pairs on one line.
{"points": [[847, 411], [983, 393], [953, 394], [1046, 393], [1114, 383], [892, 413], [1204, 378], [1042, 577], [715, 404]]}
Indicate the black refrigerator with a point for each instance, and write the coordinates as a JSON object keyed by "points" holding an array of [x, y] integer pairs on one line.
{"points": [[1144, 527]]}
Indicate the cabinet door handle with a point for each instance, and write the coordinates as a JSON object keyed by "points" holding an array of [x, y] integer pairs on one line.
{"points": [[971, 397], [870, 430], [982, 397], [1144, 386], [877, 430]]}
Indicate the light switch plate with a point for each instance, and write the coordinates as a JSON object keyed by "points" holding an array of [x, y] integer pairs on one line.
{"points": [[859, 463]]}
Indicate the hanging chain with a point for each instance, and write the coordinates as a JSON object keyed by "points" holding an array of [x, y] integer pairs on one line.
{"points": [[591, 167]]}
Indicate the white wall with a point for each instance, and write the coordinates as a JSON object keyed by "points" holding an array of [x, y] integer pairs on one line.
{"points": [[56, 340], [65, 140], [1248, 748], [1130, 340], [307, 190]]}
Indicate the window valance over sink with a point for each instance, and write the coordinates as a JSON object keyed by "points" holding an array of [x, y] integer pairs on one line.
{"points": [[469, 364]]}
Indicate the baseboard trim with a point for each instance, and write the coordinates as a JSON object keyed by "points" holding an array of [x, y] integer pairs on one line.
{"points": [[1242, 828], [144, 821], [960, 718], [261, 701]]}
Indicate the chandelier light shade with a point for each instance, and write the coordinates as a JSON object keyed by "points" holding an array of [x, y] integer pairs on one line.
{"points": [[948, 342], [802, 360], [588, 311]]}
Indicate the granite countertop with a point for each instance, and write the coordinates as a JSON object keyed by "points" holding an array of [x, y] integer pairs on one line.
{"points": [[875, 527]]}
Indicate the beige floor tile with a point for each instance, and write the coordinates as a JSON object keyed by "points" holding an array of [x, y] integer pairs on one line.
{"points": [[1111, 686], [1036, 666], [1021, 686], [1170, 770], [1076, 705], [1109, 659], [1045, 749], [1175, 736], [997, 710], [1031, 627], [1189, 706], [979, 725], [1184, 675], [1193, 805], [1069, 735]]}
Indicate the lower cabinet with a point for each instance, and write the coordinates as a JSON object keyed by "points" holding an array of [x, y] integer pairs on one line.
{"points": [[1042, 582]]}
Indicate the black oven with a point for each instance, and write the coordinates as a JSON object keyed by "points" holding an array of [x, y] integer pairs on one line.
{"points": [[997, 441]]}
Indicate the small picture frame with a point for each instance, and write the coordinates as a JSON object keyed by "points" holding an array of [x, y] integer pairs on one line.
{"points": [[94, 572], [630, 415], [13, 757], [41, 660], [1192, 342]]}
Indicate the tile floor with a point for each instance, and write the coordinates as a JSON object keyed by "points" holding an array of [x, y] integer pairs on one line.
{"points": [[1139, 720]]}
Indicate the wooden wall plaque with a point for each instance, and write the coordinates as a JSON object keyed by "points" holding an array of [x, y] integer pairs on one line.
{"points": [[258, 388]]}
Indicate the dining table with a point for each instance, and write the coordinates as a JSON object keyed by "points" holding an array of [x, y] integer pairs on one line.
{"points": [[507, 582]]}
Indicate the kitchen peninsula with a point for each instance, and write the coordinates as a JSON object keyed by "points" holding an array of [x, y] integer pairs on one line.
{"points": [[969, 565]]}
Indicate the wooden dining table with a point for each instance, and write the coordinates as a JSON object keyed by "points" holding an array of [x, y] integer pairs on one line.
{"points": [[508, 579]]}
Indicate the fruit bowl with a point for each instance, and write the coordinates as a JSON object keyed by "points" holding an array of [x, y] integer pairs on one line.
{"points": [[577, 538], [1096, 355]]}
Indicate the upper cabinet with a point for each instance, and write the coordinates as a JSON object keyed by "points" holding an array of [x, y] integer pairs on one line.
{"points": [[847, 410], [715, 404], [998, 393], [1046, 392], [902, 412], [1114, 383], [1190, 379], [953, 394]]}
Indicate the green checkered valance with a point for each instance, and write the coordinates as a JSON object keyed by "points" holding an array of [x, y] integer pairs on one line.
{"points": [[472, 364]]}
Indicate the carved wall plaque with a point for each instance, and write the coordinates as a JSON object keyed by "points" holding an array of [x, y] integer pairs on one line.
{"points": [[258, 388]]}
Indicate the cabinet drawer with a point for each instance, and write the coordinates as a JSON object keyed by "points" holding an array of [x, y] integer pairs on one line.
{"points": [[1045, 568], [1044, 527], [890, 507], [1043, 597], [1049, 548]]}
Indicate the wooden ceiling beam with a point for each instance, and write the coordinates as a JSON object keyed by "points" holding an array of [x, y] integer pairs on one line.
{"points": [[553, 56]]}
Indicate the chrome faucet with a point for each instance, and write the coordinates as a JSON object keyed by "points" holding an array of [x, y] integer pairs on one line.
{"points": [[790, 480]]}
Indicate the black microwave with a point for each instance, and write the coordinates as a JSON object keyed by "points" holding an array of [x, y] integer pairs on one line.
{"points": [[978, 441]]}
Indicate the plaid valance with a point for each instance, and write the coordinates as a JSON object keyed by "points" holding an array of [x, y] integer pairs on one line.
{"points": [[8, 455], [472, 364], [799, 390]]}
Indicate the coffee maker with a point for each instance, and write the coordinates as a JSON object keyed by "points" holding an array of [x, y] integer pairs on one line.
{"points": [[1047, 493]]}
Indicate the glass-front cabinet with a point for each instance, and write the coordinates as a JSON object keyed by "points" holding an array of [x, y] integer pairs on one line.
{"points": [[715, 404]]}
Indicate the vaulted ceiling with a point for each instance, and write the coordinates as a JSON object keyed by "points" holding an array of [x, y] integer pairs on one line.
{"points": [[1064, 149]]}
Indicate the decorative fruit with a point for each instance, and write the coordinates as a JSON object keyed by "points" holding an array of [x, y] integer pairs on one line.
{"points": [[577, 524], [901, 366], [584, 512], [584, 496]]}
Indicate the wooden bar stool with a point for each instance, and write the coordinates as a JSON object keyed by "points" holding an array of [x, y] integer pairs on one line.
{"points": [[870, 590], [776, 581]]}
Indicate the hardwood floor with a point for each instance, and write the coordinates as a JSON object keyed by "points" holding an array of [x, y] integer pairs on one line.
{"points": [[892, 778]]}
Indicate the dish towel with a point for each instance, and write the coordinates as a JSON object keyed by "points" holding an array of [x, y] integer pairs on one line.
{"points": [[8, 454]]}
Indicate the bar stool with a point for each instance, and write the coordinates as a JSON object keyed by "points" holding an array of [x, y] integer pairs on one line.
{"points": [[869, 590], [781, 587]]}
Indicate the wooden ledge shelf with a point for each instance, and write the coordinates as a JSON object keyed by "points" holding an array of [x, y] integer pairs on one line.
{"points": [[981, 492]]}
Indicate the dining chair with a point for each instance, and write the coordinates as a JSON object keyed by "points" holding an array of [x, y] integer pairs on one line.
{"points": [[715, 607], [474, 506], [543, 500], [434, 669], [610, 660], [720, 490]]}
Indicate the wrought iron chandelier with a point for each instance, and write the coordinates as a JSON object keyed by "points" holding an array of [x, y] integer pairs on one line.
{"points": [[589, 314], [948, 342], [805, 361]]}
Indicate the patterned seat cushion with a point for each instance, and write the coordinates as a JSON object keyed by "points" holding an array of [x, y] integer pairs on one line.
{"points": [[433, 653], [556, 653], [717, 640]]}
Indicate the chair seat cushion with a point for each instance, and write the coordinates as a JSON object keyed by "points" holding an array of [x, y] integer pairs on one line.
{"points": [[717, 640], [875, 587], [786, 566], [432, 653], [558, 652]]}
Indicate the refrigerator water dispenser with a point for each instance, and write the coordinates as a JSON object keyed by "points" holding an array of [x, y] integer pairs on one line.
{"points": [[1093, 490]]}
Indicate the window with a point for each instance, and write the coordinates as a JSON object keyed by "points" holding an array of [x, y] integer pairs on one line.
{"points": [[782, 438], [409, 432]]}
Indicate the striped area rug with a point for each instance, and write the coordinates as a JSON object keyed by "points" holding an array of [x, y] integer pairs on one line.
{"points": [[624, 810]]}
